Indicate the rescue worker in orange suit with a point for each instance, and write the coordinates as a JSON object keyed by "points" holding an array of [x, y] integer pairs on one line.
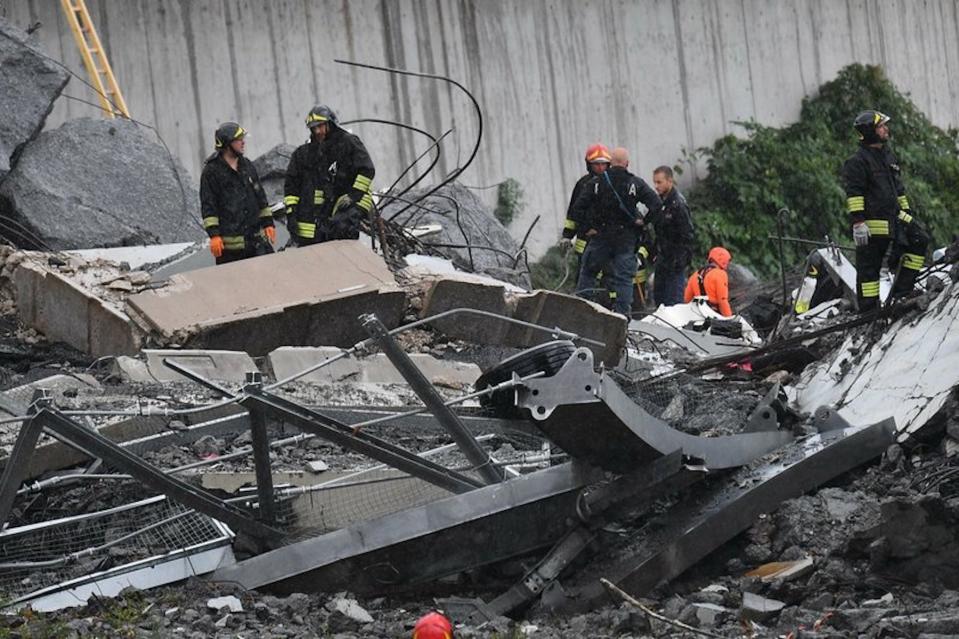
{"points": [[433, 625], [712, 282], [235, 212], [879, 214], [329, 183], [606, 209], [597, 161]]}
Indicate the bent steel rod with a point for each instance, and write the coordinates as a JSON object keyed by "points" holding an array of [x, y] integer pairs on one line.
{"points": [[464, 439]]}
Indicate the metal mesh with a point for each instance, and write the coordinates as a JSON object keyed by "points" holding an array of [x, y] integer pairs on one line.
{"points": [[381, 490], [695, 405], [41, 555]]}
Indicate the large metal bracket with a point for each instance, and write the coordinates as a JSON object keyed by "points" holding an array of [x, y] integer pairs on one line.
{"points": [[589, 416]]}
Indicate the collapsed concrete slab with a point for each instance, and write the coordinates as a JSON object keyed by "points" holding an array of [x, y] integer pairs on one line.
{"points": [[375, 369], [65, 311], [545, 308], [305, 297], [29, 84], [909, 372], [99, 183], [226, 366]]}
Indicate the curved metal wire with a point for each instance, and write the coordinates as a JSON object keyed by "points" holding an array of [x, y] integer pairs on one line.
{"points": [[479, 116]]}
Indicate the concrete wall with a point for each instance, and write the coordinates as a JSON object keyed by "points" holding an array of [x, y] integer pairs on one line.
{"points": [[552, 76]]}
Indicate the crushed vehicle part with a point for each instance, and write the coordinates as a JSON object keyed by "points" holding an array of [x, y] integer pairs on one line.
{"points": [[547, 358], [710, 518], [590, 417]]}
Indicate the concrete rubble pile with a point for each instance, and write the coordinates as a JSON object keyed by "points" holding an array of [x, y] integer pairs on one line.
{"points": [[324, 441], [703, 496]]}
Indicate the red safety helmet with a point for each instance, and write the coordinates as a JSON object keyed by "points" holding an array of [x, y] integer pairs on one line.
{"points": [[598, 153], [433, 625]]}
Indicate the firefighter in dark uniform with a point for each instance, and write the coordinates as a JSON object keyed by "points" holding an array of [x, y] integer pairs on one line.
{"points": [[880, 214], [597, 161], [329, 182], [235, 212], [606, 209]]}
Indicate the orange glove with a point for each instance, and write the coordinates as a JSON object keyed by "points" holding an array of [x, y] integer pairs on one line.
{"points": [[270, 233], [216, 245]]}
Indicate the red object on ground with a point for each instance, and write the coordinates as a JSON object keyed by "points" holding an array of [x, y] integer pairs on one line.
{"points": [[433, 625]]}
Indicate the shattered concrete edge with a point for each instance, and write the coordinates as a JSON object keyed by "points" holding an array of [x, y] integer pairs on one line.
{"points": [[62, 310], [544, 308]]}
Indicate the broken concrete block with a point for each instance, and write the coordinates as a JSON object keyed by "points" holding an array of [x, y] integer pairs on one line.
{"points": [[545, 308], [376, 369], [29, 84], [289, 360], [63, 311], [126, 190], [317, 466], [350, 609], [306, 297], [226, 366], [709, 615], [757, 608], [229, 602]]}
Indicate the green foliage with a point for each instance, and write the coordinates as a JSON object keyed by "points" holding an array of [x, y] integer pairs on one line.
{"points": [[556, 270], [797, 167], [509, 201]]}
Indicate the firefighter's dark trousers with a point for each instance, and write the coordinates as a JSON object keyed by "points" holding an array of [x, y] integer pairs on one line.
{"points": [[616, 246], [908, 253]]}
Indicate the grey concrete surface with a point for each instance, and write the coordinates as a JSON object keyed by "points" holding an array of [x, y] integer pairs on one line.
{"points": [[552, 77], [375, 369], [230, 366], [311, 296]]}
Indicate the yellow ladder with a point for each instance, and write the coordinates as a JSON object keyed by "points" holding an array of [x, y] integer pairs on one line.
{"points": [[94, 58]]}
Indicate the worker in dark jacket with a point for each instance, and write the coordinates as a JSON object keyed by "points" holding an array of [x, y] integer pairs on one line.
{"points": [[712, 282], [675, 239], [880, 214], [606, 209], [235, 212], [597, 161], [329, 183]]}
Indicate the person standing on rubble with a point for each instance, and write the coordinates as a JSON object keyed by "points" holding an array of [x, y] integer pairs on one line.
{"points": [[675, 239], [329, 183], [597, 161], [712, 282], [235, 212], [879, 213], [606, 209]]}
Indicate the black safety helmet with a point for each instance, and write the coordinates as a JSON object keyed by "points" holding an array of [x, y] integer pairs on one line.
{"points": [[320, 114], [866, 124], [227, 133]]}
